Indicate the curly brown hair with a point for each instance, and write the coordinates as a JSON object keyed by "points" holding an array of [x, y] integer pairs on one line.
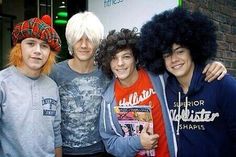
{"points": [[113, 44]]}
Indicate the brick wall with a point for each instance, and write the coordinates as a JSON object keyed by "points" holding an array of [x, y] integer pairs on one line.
{"points": [[223, 13]]}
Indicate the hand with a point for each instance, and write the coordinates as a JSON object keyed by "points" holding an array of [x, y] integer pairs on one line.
{"points": [[148, 141], [214, 70]]}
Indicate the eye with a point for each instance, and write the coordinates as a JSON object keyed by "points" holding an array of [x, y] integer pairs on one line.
{"points": [[127, 56], [45, 46], [113, 57], [166, 55], [179, 51], [30, 43]]}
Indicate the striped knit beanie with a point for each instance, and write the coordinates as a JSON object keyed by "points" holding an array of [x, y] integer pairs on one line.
{"points": [[36, 28]]}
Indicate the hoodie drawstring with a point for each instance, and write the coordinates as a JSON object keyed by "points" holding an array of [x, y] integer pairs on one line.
{"points": [[186, 111], [177, 131]]}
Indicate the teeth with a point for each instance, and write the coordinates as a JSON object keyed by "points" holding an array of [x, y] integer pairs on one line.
{"points": [[120, 70], [37, 58], [177, 66]]}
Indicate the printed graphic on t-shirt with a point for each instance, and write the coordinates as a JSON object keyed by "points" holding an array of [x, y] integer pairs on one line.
{"points": [[80, 101], [192, 116], [135, 98], [49, 106]]}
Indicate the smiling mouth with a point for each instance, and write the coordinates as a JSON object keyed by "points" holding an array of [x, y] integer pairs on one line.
{"points": [[121, 70], [83, 51], [35, 58], [177, 66]]}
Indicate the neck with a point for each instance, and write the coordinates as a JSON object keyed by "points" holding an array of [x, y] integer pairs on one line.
{"points": [[184, 85], [29, 73], [131, 80], [186, 79], [81, 66]]}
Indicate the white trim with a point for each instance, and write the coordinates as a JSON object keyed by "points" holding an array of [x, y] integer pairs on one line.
{"points": [[103, 116], [172, 127], [110, 118]]}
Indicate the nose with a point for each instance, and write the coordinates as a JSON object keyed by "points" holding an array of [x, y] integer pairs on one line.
{"points": [[83, 43], [174, 57], [120, 61], [37, 49]]}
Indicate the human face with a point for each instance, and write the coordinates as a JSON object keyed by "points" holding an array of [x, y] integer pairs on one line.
{"points": [[125, 128], [123, 67], [84, 50], [35, 54], [179, 63]]}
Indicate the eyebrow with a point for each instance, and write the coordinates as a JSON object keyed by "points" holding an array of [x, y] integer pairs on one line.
{"points": [[128, 53], [32, 40], [29, 40], [179, 47]]}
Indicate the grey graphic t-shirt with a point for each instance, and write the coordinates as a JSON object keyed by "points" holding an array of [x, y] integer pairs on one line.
{"points": [[80, 96]]}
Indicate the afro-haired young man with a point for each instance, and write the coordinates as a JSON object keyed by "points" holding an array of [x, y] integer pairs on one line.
{"points": [[203, 113]]}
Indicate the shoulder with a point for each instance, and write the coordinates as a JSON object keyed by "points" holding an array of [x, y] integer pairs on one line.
{"points": [[60, 65], [47, 80], [156, 78], [225, 86], [102, 76], [109, 92], [228, 81], [7, 73], [59, 69]]}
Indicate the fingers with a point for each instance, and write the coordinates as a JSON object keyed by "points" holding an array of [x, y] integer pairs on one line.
{"points": [[155, 144], [212, 74], [148, 141], [145, 128], [213, 71], [209, 71], [216, 75], [206, 68], [155, 141], [222, 75]]}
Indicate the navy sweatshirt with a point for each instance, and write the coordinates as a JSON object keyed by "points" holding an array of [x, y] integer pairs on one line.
{"points": [[206, 126]]}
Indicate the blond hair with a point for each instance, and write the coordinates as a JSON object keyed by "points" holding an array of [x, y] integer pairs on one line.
{"points": [[84, 23]]}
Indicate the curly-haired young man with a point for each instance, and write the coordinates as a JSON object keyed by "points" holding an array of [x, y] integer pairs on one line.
{"points": [[132, 86]]}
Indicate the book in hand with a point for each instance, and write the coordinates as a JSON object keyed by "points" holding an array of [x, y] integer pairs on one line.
{"points": [[132, 120]]}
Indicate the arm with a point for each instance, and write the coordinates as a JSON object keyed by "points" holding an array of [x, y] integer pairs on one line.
{"points": [[113, 139], [214, 70], [58, 152], [57, 129], [1, 103]]}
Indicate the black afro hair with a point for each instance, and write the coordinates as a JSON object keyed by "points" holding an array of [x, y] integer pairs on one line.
{"points": [[190, 30]]}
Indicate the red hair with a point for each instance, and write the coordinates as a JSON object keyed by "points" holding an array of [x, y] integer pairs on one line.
{"points": [[15, 58]]}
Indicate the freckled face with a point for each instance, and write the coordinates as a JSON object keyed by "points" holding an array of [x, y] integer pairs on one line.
{"points": [[35, 54]]}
